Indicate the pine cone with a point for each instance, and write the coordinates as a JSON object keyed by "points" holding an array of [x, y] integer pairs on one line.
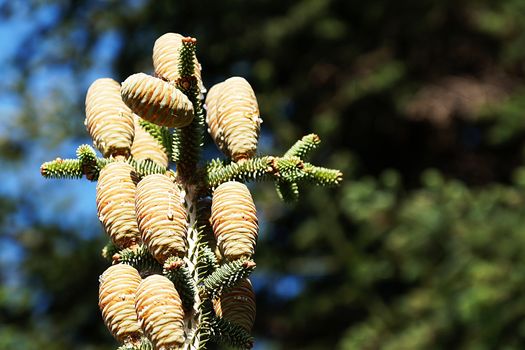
{"points": [[233, 118], [160, 312], [166, 54], [212, 100], [237, 305], [118, 285], [157, 101], [146, 146], [234, 220], [161, 216], [116, 203], [108, 120]]}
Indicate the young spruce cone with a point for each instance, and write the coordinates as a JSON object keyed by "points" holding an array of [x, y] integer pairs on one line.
{"points": [[161, 216], [166, 54], [108, 120], [237, 305], [146, 146], [212, 99], [233, 118], [234, 220], [160, 312], [157, 101], [118, 285], [116, 203]]}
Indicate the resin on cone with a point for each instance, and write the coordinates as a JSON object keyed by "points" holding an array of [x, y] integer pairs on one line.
{"points": [[237, 305], [161, 216], [117, 288], [233, 118], [108, 120], [159, 310], [146, 146], [116, 203], [234, 220], [157, 101]]}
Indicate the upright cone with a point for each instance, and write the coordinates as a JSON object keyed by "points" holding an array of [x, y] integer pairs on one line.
{"points": [[157, 101], [146, 146], [234, 220], [161, 216], [118, 285], [108, 120], [116, 203], [233, 118], [166, 57], [212, 99], [238, 305], [159, 310]]}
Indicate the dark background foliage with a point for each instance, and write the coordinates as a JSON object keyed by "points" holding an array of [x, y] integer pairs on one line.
{"points": [[420, 103]]}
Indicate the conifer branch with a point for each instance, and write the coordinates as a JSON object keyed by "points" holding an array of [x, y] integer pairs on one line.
{"points": [[288, 168], [206, 320], [62, 169], [147, 167], [287, 191], [187, 63], [322, 176], [258, 168], [303, 147], [160, 133], [226, 332], [140, 258], [86, 154], [190, 139], [175, 270], [91, 164], [86, 163], [207, 262], [291, 169], [109, 250], [227, 276]]}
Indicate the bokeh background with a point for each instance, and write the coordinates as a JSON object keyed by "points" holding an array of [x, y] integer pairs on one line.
{"points": [[421, 103]]}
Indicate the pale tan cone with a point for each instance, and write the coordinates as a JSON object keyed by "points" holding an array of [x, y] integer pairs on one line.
{"points": [[146, 146], [211, 115], [204, 223], [166, 53], [235, 122], [234, 220], [157, 101], [116, 203], [161, 216], [108, 120], [237, 305], [160, 313], [118, 285]]}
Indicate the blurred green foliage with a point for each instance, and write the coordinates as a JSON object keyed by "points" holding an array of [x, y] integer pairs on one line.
{"points": [[419, 103]]}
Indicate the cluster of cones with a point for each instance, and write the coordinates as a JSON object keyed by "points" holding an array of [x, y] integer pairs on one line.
{"points": [[153, 210]]}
